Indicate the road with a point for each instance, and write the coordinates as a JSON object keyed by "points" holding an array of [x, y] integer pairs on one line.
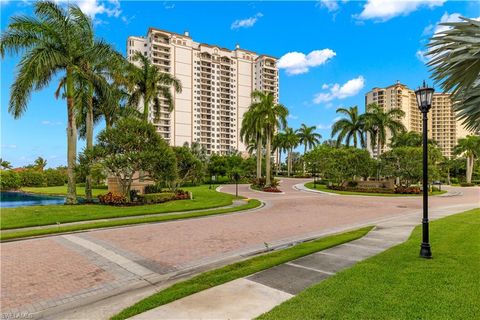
{"points": [[40, 276]]}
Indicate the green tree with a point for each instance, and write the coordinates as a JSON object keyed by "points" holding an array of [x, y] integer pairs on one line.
{"points": [[189, 167], [147, 83], [309, 138], [252, 133], [5, 165], [51, 43], [40, 164], [455, 53], [379, 123], [272, 117], [291, 142], [350, 127], [469, 147], [279, 145], [409, 139], [132, 146]]}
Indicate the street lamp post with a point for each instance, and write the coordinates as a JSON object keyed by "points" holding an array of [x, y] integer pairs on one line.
{"points": [[424, 100]]}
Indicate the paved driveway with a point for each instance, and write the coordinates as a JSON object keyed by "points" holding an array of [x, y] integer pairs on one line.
{"points": [[62, 271]]}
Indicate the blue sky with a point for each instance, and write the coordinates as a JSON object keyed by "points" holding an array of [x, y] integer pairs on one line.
{"points": [[331, 54]]}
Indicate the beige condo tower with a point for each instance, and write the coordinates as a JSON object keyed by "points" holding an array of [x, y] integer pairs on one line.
{"points": [[217, 85], [443, 127]]}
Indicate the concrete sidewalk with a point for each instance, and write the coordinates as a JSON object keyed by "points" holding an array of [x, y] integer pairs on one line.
{"points": [[249, 297]]}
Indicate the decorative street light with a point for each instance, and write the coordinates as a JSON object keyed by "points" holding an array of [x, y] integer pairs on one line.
{"points": [[424, 100]]}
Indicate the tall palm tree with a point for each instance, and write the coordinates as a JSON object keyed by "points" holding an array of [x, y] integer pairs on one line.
{"points": [[147, 83], [455, 63], [5, 165], [40, 163], [291, 142], [380, 123], [309, 138], [272, 116], [51, 43], [470, 148], [252, 133], [350, 127], [279, 145]]}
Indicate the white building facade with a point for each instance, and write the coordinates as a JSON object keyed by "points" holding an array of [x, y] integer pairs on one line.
{"points": [[216, 88]]}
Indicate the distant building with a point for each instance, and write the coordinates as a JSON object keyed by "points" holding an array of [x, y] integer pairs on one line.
{"points": [[443, 127], [217, 85]]}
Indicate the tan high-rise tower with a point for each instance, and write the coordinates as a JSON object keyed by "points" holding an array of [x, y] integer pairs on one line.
{"points": [[217, 85], [443, 127]]}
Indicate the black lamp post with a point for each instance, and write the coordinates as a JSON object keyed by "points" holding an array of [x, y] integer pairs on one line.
{"points": [[424, 100]]}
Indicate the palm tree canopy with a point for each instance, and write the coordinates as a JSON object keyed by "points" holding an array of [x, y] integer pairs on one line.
{"points": [[350, 127], [271, 115], [291, 138], [379, 121], [455, 63], [147, 82], [307, 136], [469, 146]]}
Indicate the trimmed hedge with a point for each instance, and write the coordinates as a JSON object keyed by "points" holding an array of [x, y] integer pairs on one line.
{"points": [[356, 189], [150, 198], [9, 180], [32, 178], [54, 178]]}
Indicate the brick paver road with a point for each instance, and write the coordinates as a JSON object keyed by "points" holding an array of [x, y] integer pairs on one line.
{"points": [[58, 271]]}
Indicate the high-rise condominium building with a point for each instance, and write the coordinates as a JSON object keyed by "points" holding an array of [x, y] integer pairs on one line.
{"points": [[216, 88], [443, 127]]}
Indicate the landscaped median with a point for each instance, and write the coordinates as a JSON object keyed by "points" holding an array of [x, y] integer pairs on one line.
{"points": [[83, 217], [398, 284], [324, 188], [237, 270]]}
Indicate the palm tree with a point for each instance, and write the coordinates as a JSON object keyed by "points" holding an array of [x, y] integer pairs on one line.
{"points": [[455, 63], [350, 127], [147, 83], [409, 139], [279, 145], [380, 123], [271, 117], [308, 137], [51, 43], [5, 165], [40, 163], [291, 142], [470, 148], [251, 133]]}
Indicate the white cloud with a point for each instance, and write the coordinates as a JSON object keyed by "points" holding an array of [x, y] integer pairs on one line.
{"points": [[421, 55], [383, 10], [95, 7], [330, 5], [246, 23], [9, 146], [168, 5], [292, 117], [298, 62], [336, 91], [51, 123], [324, 126]]}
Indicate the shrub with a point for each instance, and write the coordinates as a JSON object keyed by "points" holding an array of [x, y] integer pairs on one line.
{"points": [[32, 178], [153, 188], [352, 184], [275, 183], [366, 190], [271, 189], [454, 180], [408, 190], [54, 177], [112, 199], [9, 180], [151, 198], [465, 184], [259, 183]]}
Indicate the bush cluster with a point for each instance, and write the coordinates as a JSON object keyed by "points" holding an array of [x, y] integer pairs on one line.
{"points": [[151, 198], [9, 180], [12, 180], [271, 189], [357, 189], [114, 199], [465, 184], [408, 190]]}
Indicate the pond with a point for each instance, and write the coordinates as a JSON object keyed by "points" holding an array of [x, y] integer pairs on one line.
{"points": [[21, 199]]}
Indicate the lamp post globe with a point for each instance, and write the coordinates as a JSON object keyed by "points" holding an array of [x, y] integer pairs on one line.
{"points": [[424, 96]]}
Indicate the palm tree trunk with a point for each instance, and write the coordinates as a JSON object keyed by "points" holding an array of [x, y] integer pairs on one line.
{"points": [[145, 108], [279, 162], [71, 142], [289, 164], [355, 140], [304, 163], [89, 143], [268, 180], [259, 157], [469, 168]]}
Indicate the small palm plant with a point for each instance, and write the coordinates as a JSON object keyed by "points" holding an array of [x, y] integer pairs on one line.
{"points": [[470, 148]]}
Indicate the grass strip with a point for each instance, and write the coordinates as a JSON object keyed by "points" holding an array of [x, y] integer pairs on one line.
{"points": [[322, 187], [252, 203], [237, 270], [398, 284], [32, 216]]}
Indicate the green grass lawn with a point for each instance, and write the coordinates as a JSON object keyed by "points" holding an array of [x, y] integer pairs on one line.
{"points": [[11, 218], [398, 284], [250, 204], [62, 190], [322, 187], [237, 270]]}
